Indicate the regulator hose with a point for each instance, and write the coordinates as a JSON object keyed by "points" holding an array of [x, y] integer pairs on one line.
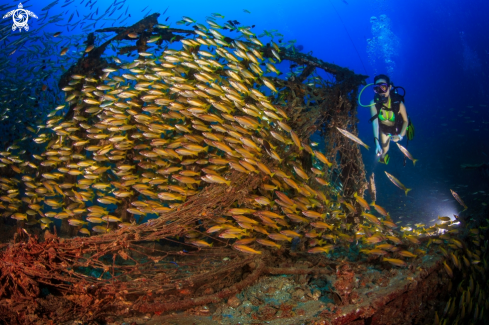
{"points": [[360, 95]]}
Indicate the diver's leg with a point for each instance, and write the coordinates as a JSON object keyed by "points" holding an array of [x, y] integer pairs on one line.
{"points": [[384, 141]]}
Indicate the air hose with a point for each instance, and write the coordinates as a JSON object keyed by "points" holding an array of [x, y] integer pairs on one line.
{"points": [[360, 95]]}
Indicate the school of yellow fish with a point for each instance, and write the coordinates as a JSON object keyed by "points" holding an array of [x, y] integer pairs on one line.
{"points": [[156, 130], [465, 261]]}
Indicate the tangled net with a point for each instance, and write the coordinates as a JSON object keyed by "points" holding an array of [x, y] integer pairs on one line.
{"points": [[197, 138]]}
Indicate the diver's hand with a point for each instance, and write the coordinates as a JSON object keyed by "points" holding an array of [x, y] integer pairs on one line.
{"points": [[396, 138], [378, 150]]}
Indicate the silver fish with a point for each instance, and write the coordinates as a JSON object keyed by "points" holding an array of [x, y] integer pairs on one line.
{"points": [[459, 200], [398, 183], [352, 137], [407, 154]]}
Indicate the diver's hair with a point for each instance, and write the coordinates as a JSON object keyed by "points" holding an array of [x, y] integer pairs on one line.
{"points": [[382, 76]]}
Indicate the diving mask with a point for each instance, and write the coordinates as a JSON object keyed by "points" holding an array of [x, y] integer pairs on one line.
{"points": [[381, 88]]}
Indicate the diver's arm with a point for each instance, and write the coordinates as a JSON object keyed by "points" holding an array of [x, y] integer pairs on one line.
{"points": [[375, 123], [402, 110]]}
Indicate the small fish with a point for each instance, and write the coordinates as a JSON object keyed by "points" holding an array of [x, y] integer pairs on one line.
{"points": [[276, 55], [45, 220], [371, 218], [373, 239], [101, 229], [455, 260], [266, 242], [323, 158], [217, 15], [457, 242], [406, 254], [110, 218], [244, 219], [389, 224], [296, 139], [374, 251], [246, 249], [361, 201], [448, 269], [84, 231], [244, 241], [49, 6], [395, 240], [324, 249], [76, 222], [290, 233], [301, 172], [263, 200], [19, 216], [379, 209], [268, 214], [240, 211], [154, 39], [188, 19], [394, 261], [407, 154], [396, 182], [459, 200], [317, 171], [352, 137], [94, 219], [314, 214], [201, 243], [387, 247], [322, 225], [279, 237], [269, 84]]}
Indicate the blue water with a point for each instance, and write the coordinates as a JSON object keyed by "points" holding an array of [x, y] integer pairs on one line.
{"points": [[437, 50]]}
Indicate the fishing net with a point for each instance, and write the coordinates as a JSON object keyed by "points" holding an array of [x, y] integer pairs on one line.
{"points": [[176, 159]]}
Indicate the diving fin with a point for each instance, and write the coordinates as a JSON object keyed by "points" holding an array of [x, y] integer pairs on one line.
{"points": [[385, 159], [410, 130]]}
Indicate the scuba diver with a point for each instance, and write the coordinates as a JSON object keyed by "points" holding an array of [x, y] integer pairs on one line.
{"points": [[389, 117]]}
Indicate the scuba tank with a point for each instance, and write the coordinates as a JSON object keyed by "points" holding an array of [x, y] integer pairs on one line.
{"points": [[395, 89], [410, 128]]}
